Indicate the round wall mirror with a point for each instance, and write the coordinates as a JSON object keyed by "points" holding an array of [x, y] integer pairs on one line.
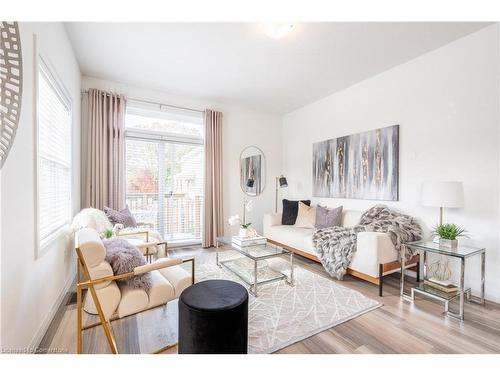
{"points": [[252, 171]]}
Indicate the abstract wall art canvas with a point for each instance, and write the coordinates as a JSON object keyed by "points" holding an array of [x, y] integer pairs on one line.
{"points": [[358, 166]]}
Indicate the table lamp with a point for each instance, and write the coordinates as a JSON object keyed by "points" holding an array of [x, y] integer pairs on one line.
{"points": [[442, 194]]}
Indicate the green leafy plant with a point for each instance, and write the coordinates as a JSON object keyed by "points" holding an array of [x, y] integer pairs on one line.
{"points": [[449, 231], [108, 233], [246, 226]]}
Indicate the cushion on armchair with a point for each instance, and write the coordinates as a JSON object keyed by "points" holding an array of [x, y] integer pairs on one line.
{"points": [[123, 216]]}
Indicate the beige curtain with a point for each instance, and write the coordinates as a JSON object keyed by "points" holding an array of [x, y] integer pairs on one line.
{"points": [[213, 215], [102, 149]]}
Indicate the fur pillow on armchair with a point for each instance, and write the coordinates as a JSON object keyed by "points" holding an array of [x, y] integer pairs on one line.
{"points": [[91, 218]]}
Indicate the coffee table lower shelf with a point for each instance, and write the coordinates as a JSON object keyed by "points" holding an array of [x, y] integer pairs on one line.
{"points": [[242, 268]]}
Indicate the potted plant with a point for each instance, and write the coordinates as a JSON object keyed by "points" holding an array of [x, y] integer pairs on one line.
{"points": [[244, 226], [448, 234], [108, 233]]}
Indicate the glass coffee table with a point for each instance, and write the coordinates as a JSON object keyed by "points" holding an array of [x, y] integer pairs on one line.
{"points": [[252, 266]]}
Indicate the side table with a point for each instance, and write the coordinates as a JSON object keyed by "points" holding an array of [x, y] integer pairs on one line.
{"points": [[460, 252]]}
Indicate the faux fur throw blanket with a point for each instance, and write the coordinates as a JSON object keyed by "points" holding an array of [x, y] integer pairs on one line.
{"points": [[124, 257], [336, 246]]}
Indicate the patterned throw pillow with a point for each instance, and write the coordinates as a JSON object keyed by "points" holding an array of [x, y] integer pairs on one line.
{"points": [[123, 216], [328, 217], [290, 211]]}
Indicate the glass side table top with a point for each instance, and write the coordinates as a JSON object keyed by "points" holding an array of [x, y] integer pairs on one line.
{"points": [[458, 252], [255, 252]]}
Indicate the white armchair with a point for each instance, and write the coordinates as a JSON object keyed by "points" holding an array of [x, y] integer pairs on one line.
{"points": [[151, 243], [110, 300]]}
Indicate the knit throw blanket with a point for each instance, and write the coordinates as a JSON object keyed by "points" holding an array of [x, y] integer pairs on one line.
{"points": [[335, 246], [124, 257]]}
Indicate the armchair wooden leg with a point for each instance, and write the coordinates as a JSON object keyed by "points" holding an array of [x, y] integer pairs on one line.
{"points": [[77, 270], [105, 324], [418, 272], [79, 333], [193, 269], [380, 279]]}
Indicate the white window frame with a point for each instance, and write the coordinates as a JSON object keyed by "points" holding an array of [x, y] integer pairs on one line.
{"points": [[135, 107], [41, 62]]}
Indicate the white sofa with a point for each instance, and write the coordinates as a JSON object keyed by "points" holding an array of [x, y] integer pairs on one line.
{"points": [[375, 255]]}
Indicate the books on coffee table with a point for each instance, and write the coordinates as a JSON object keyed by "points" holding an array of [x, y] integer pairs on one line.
{"points": [[249, 241]]}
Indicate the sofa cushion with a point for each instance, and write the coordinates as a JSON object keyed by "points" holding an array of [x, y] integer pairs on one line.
{"points": [[328, 217], [306, 216], [292, 236], [290, 211]]}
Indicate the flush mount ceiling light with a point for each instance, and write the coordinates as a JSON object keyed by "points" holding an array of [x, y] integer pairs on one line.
{"points": [[278, 30]]}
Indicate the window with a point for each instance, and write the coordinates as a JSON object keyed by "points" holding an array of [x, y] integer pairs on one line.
{"points": [[164, 170], [53, 155]]}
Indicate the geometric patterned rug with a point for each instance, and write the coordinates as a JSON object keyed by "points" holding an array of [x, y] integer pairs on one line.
{"points": [[282, 315]]}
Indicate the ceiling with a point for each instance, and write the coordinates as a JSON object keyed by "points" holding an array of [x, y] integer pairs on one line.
{"points": [[237, 63]]}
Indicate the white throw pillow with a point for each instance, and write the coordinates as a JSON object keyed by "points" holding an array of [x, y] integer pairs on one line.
{"points": [[306, 216]]}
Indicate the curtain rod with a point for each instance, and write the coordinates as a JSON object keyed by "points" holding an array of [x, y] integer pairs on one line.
{"points": [[154, 103]]}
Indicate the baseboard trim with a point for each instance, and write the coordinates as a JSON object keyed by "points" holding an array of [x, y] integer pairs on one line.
{"points": [[61, 299]]}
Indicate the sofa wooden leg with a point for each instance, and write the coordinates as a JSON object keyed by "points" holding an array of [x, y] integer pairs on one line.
{"points": [[380, 279], [418, 272]]}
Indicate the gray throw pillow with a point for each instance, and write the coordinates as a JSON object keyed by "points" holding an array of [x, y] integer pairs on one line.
{"points": [[328, 217], [124, 217]]}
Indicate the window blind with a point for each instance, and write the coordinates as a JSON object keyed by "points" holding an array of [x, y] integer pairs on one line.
{"points": [[54, 155]]}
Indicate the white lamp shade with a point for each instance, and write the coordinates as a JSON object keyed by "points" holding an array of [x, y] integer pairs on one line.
{"points": [[442, 194]]}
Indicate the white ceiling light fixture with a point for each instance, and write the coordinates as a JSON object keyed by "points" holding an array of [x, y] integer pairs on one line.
{"points": [[278, 30]]}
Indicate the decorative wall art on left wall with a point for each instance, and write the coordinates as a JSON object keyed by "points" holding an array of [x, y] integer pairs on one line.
{"points": [[11, 85], [358, 166]]}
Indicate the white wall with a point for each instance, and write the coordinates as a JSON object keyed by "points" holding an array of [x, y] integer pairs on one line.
{"points": [[241, 128], [32, 288], [447, 105]]}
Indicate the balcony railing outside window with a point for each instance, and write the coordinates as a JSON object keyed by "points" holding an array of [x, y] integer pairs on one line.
{"points": [[183, 211]]}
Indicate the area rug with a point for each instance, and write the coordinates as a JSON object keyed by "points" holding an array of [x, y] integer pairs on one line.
{"points": [[282, 315]]}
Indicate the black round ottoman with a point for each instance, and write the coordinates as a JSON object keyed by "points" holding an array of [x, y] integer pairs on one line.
{"points": [[213, 318]]}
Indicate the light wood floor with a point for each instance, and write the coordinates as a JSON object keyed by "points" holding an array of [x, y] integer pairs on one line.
{"points": [[397, 327]]}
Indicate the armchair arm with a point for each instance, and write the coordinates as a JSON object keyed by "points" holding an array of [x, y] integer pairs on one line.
{"points": [[159, 264], [162, 263], [145, 233], [376, 245]]}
